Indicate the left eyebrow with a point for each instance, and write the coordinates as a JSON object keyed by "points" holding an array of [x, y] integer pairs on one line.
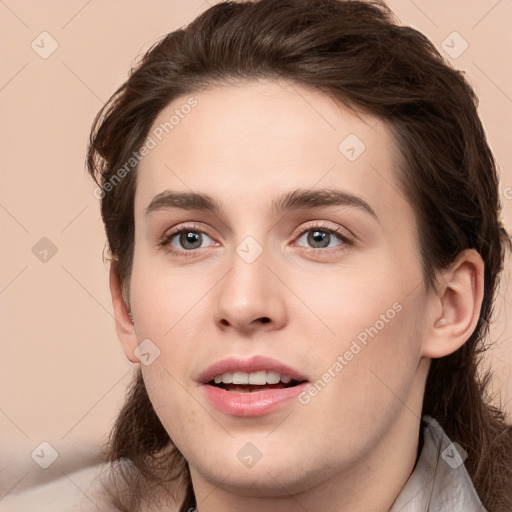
{"points": [[295, 200], [315, 198]]}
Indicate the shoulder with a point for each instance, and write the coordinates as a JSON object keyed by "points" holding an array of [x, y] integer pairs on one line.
{"points": [[69, 492]]}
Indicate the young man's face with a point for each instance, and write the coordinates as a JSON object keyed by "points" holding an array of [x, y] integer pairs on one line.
{"points": [[329, 289]]}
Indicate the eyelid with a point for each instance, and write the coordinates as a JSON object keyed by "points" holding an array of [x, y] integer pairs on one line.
{"points": [[340, 231], [182, 227]]}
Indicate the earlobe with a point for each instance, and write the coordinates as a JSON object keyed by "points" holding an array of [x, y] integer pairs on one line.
{"points": [[124, 320], [457, 305]]}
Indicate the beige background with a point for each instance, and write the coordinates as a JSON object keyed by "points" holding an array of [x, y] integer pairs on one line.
{"points": [[62, 370]]}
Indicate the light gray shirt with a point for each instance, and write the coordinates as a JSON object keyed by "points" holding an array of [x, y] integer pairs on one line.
{"points": [[440, 481]]}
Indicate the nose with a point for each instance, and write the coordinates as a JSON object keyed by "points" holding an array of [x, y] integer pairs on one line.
{"points": [[250, 297]]}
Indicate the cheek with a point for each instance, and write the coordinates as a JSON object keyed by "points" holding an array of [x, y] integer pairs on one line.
{"points": [[171, 402], [163, 300], [369, 366], [367, 350], [374, 305], [167, 307]]}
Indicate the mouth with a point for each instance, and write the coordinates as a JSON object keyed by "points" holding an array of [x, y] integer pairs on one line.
{"points": [[251, 387], [242, 382]]}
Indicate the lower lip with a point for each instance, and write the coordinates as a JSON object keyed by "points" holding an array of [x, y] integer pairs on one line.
{"points": [[258, 403]]}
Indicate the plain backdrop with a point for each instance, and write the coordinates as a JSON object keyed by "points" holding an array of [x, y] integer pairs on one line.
{"points": [[63, 373]]}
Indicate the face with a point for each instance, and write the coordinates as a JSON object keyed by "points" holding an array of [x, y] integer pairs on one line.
{"points": [[300, 265]]}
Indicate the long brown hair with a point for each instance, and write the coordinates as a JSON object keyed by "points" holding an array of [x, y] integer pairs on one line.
{"points": [[356, 52]]}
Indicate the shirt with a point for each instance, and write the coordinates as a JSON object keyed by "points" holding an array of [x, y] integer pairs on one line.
{"points": [[439, 481]]}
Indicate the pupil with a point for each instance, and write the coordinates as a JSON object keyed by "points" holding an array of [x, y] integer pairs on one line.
{"points": [[191, 238], [319, 236]]}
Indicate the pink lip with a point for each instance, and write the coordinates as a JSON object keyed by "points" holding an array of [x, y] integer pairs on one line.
{"points": [[258, 403], [253, 404]]}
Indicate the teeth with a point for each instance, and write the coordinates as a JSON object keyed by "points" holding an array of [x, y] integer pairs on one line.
{"points": [[226, 378], [273, 377], [240, 378], [256, 378]]}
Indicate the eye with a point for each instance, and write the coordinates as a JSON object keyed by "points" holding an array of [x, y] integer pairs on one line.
{"points": [[320, 236], [185, 240]]}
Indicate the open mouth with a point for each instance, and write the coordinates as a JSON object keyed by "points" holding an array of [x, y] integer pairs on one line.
{"points": [[245, 388], [253, 388], [241, 382]]}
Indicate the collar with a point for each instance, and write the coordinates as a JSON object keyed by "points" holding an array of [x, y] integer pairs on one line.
{"points": [[439, 480]]}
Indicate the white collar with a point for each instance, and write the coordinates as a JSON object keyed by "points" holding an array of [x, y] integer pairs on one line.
{"points": [[439, 480]]}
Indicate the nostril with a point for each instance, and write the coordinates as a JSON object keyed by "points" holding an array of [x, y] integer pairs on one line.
{"points": [[265, 320]]}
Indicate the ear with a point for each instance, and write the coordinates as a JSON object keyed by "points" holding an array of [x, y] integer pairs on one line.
{"points": [[124, 325], [455, 308]]}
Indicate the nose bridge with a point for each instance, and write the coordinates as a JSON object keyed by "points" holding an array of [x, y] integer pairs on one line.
{"points": [[248, 294], [244, 285]]}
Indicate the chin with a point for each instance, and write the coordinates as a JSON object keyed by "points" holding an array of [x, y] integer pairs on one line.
{"points": [[275, 478]]}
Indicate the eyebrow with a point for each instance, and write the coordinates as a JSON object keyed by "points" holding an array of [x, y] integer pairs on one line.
{"points": [[295, 200]]}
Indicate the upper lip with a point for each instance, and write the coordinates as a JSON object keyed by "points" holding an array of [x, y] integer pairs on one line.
{"points": [[248, 365]]}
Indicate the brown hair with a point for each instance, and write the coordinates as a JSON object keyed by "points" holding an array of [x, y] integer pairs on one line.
{"points": [[357, 53]]}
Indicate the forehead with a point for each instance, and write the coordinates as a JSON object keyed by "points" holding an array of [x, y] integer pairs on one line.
{"points": [[249, 141]]}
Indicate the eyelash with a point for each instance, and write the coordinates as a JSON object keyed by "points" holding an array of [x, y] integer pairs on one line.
{"points": [[168, 238]]}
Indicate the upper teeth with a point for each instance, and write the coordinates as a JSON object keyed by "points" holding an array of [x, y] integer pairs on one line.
{"points": [[258, 378]]}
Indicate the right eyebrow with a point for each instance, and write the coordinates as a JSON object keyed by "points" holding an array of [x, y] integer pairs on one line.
{"points": [[182, 200]]}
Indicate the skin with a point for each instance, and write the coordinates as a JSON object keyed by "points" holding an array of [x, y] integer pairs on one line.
{"points": [[354, 445]]}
